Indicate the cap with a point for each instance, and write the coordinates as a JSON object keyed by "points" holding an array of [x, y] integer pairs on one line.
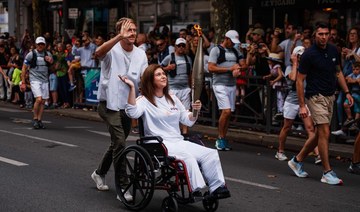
{"points": [[180, 40], [40, 40], [274, 57], [258, 31], [233, 35], [299, 50]]}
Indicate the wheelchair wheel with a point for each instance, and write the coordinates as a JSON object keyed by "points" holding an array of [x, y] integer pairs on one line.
{"points": [[140, 176], [210, 204], [169, 204]]}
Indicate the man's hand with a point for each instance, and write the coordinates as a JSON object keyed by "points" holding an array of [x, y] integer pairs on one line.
{"points": [[125, 32], [22, 87], [350, 99], [303, 112]]}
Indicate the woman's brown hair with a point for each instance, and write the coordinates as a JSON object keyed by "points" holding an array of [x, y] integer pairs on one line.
{"points": [[148, 87]]}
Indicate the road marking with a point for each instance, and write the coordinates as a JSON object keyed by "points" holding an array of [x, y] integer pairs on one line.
{"points": [[38, 138], [12, 162], [78, 127], [12, 110], [130, 137], [252, 183]]}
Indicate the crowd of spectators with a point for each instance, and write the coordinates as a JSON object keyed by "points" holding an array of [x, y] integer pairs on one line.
{"points": [[258, 45]]}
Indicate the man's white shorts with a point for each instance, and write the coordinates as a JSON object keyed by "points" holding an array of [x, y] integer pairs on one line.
{"points": [[292, 110], [184, 96], [40, 89], [225, 96]]}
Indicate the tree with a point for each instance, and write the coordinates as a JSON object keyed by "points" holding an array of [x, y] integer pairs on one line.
{"points": [[36, 18], [221, 17]]}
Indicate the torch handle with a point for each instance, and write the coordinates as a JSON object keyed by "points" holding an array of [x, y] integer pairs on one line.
{"points": [[195, 113]]}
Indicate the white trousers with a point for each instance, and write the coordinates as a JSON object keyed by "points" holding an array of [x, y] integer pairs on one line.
{"points": [[195, 155]]}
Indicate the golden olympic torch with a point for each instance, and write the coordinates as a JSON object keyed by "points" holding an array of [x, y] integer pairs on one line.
{"points": [[197, 76]]}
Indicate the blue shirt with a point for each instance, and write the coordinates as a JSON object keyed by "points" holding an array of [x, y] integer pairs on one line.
{"points": [[319, 66]]}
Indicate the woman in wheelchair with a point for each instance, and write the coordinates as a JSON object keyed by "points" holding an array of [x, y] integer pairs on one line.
{"points": [[161, 113]]}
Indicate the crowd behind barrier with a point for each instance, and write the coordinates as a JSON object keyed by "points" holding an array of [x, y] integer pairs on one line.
{"points": [[256, 103]]}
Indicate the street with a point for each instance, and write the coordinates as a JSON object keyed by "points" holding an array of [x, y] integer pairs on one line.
{"points": [[49, 170]]}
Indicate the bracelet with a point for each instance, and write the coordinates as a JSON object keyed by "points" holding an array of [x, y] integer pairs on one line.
{"points": [[347, 92]]}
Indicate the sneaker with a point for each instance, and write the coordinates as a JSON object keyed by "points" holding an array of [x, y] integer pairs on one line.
{"points": [[100, 181], [338, 132], [41, 125], [278, 116], [280, 156], [221, 193], [354, 168], [226, 144], [318, 160], [72, 87], [354, 127], [297, 168], [36, 124], [331, 178], [300, 128], [128, 197], [220, 144], [348, 122]]}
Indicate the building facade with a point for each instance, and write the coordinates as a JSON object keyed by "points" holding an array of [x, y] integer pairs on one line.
{"points": [[95, 16]]}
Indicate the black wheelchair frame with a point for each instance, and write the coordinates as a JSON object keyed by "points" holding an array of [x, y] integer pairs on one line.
{"points": [[149, 168]]}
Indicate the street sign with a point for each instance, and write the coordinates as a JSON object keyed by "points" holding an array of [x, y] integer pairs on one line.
{"points": [[70, 32], [73, 13]]}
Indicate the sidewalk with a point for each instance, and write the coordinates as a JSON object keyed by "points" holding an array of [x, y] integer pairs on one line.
{"points": [[293, 144]]}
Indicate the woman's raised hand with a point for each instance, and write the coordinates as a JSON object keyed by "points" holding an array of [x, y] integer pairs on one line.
{"points": [[126, 80]]}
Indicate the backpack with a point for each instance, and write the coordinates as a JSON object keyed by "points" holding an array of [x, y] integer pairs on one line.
{"points": [[172, 73], [221, 57], [34, 59]]}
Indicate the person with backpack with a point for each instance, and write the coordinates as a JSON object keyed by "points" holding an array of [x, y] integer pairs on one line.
{"points": [[38, 62], [224, 64], [178, 66]]}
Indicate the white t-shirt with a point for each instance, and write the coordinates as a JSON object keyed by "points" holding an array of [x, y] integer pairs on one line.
{"points": [[116, 62]]}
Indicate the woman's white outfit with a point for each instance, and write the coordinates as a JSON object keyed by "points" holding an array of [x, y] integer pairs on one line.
{"points": [[163, 120]]}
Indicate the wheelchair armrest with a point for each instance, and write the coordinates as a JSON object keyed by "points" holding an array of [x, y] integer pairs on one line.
{"points": [[149, 138]]}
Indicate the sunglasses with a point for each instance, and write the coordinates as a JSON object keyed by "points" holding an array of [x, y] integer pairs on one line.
{"points": [[181, 45]]}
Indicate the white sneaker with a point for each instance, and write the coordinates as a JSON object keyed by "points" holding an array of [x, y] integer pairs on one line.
{"points": [[338, 132], [280, 156], [100, 182], [317, 160], [300, 128], [127, 196]]}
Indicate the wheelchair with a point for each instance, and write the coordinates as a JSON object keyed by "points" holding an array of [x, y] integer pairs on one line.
{"points": [[149, 168]]}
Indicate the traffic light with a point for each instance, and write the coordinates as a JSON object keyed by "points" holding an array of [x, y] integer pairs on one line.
{"points": [[60, 12]]}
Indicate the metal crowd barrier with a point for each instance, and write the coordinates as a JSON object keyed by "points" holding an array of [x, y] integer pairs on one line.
{"points": [[87, 81]]}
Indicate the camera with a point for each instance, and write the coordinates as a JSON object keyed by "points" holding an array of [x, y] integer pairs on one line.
{"points": [[244, 45]]}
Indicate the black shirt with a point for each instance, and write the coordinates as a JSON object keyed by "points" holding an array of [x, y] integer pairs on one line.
{"points": [[319, 66]]}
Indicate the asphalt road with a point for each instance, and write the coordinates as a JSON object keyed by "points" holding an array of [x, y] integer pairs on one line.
{"points": [[49, 170]]}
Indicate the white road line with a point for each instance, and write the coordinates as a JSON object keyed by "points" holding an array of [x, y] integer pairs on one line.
{"points": [[130, 137], [38, 138], [13, 110], [252, 183], [12, 162], [77, 127]]}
